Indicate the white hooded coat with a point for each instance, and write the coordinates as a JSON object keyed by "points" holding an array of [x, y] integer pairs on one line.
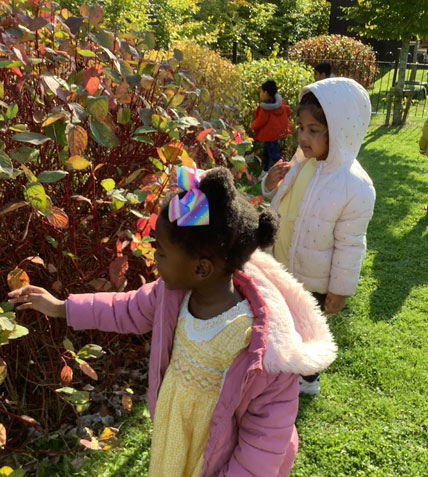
{"points": [[328, 243]]}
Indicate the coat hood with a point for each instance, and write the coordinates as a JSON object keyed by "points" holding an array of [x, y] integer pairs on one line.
{"points": [[346, 105], [276, 104], [298, 338]]}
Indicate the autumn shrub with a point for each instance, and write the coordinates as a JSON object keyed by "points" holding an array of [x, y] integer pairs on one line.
{"points": [[91, 128], [289, 75], [347, 56], [221, 79]]}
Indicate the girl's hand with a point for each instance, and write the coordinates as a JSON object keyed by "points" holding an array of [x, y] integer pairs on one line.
{"points": [[276, 174], [334, 303], [36, 298]]}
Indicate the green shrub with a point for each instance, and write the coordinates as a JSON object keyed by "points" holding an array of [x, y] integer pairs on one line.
{"points": [[289, 75], [218, 75], [91, 128], [347, 56]]}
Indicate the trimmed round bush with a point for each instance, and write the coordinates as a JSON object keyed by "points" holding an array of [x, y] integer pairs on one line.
{"points": [[347, 56]]}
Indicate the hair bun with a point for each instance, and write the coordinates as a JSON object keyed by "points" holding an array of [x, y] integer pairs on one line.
{"points": [[218, 185], [268, 228]]}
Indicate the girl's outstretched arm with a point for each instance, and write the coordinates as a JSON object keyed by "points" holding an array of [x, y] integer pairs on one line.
{"points": [[121, 312], [36, 298], [267, 442]]}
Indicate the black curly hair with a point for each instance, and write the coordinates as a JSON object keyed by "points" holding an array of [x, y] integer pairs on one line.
{"points": [[235, 230], [309, 102]]}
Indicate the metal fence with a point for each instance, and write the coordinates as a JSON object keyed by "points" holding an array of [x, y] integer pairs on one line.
{"points": [[415, 88]]}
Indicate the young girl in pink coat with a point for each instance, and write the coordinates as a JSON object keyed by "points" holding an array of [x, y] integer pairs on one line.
{"points": [[231, 331]]}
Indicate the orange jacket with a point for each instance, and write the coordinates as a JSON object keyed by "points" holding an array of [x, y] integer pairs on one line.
{"points": [[272, 124]]}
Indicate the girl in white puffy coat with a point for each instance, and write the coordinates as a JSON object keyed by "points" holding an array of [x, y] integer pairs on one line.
{"points": [[323, 195]]}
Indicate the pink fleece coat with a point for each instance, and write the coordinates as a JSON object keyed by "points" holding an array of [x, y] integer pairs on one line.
{"points": [[252, 431]]}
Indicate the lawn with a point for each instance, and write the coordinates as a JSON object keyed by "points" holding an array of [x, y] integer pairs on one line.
{"points": [[371, 417]]}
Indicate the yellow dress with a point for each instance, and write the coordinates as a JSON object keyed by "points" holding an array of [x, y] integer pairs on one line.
{"points": [[203, 351]]}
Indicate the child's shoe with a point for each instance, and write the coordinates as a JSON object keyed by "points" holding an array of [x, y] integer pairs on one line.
{"points": [[309, 387]]}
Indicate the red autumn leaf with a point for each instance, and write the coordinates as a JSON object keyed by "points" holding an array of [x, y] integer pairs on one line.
{"points": [[203, 133], [66, 375], [117, 270], [257, 200], [17, 71], [137, 241], [145, 225], [209, 152], [91, 80], [237, 136]]}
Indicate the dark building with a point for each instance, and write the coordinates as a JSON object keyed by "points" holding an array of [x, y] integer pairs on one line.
{"points": [[385, 50]]}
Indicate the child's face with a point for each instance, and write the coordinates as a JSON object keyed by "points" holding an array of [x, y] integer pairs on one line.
{"points": [[319, 76], [264, 95], [175, 266], [312, 136]]}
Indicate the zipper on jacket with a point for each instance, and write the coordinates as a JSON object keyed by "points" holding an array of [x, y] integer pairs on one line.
{"points": [[296, 235]]}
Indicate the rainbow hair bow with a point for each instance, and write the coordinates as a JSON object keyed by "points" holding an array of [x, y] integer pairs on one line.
{"points": [[193, 208]]}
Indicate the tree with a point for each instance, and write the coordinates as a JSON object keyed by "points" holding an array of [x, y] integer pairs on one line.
{"points": [[392, 20]]}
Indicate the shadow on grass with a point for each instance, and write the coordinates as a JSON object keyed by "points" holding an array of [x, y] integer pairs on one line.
{"points": [[396, 232]]}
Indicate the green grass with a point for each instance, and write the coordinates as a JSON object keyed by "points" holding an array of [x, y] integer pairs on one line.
{"points": [[371, 417]]}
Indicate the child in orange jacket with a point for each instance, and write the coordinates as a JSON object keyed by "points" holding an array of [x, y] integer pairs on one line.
{"points": [[271, 123]]}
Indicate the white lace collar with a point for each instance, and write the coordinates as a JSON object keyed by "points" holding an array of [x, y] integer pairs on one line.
{"points": [[204, 330]]}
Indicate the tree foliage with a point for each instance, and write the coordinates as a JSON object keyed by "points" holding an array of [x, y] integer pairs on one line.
{"points": [[390, 19]]}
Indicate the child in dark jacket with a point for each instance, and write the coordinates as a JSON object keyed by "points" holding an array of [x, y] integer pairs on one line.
{"points": [[271, 123]]}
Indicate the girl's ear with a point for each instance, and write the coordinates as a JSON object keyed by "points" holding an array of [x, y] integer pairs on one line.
{"points": [[204, 268]]}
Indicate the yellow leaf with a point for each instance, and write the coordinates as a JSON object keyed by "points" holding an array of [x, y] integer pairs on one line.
{"points": [[77, 163], [126, 402], [84, 366], [17, 278], [53, 118], [2, 444], [107, 433], [3, 370]]}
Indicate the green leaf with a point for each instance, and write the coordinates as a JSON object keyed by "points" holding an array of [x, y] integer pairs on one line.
{"points": [[6, 166], [188, 121], [12, 111], [86, 53], [108, 184], [24, 154], [68, 345], [90, 351], [147, 140], [159, 122], [10, 63], [144, 130], [178, 54], [6, 324], [32, 138], [133, 80], [112, 75], [48, 177], [36, 195], [204, 95], [97, 107], [124, 115], [103, 135], [18, 332], [74, 396], [105, 39], [125, 69]]}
